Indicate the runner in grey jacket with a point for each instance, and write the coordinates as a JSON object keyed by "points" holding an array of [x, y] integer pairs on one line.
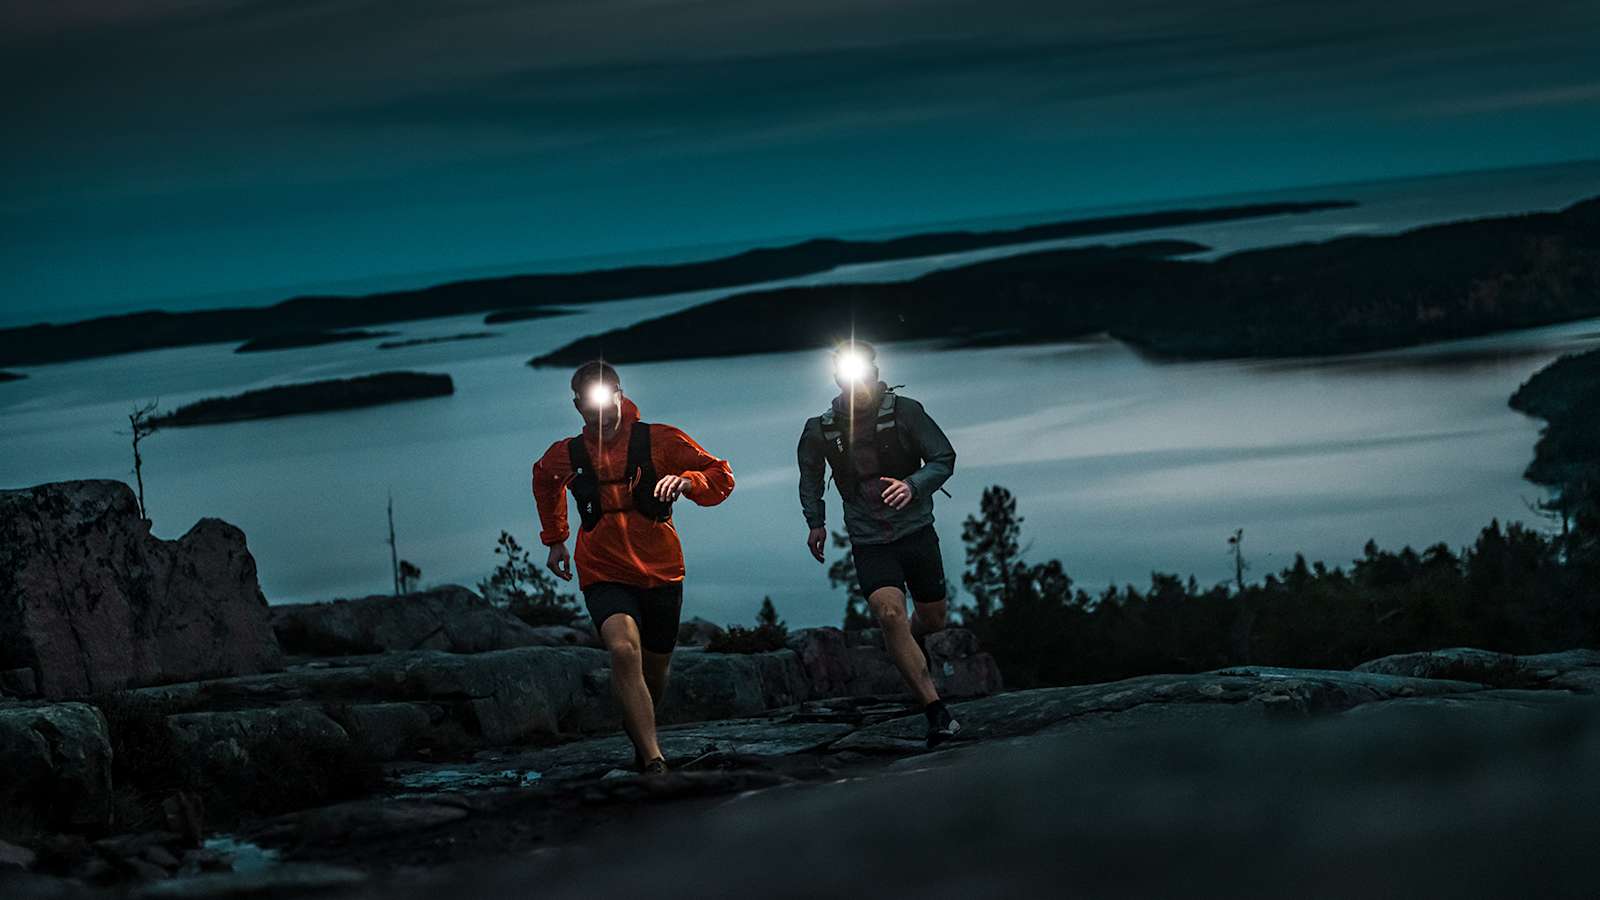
{"points": [[887, 458], [867, 518]]}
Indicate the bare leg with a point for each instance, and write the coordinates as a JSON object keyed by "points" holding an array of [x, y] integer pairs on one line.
{"points": [[889, 606], [620, 634], [926, 618], [656, 666]]}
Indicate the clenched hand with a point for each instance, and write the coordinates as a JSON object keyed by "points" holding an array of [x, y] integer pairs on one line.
{"points": [[560, 562], [671, 487]]}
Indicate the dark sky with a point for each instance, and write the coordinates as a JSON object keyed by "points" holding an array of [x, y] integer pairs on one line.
{"points": [[161, 149]]}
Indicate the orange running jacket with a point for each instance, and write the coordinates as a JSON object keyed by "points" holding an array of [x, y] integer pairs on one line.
{"points": [[625, 546]]}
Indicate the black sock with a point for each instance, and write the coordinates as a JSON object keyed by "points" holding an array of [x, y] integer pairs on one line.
{"points": [[934, 710]]}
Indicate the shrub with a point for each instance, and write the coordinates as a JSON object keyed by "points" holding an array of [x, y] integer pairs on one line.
{"points": [[521, 586], [770, 633]]}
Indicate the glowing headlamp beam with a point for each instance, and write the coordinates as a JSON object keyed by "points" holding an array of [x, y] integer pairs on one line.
{"points": [[852, 365], [599, 395]]}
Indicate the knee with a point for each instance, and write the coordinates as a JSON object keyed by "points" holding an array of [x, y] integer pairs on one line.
{"points": [[624, 654], [932, 616], [890, 615]]}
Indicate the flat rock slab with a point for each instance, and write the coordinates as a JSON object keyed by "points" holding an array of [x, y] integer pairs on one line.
{"points": [[357, 820], [1333, 807], [406, 833], [288, 880], [1505, 706], [1273, 692], [593, 757]]}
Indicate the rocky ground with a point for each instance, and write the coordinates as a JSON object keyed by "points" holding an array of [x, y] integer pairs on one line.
{"points": [[431, 745]]}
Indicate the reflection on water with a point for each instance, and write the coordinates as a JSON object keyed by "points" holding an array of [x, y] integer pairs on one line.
{"points": [[1121, 464]]}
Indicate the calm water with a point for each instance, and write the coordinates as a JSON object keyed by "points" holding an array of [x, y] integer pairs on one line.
{"points": [[1121, 465]]}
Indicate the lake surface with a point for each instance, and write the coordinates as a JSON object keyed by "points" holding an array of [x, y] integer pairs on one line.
{"points": [[1121, 465]]}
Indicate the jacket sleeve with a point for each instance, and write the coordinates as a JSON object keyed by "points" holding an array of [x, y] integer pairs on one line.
{"points": [[928, 439], [550, 476], [813, 465], [710, 478]]}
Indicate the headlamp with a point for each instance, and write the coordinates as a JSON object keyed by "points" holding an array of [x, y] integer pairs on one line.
{"points": [[599, 395], [852, 365]]}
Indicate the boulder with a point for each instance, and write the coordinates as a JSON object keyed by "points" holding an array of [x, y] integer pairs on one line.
{"points": [[563, 636], [959, 668], [91, 602], [864, 637], [449, 618], [507, 695], [1573, 670], [387, 731], [227, 745], [55, 765], [950, 644], [1460, 663], [708, 686], [19, 683], [873, 674], [698, 632], [855, 664], [825, 655]]}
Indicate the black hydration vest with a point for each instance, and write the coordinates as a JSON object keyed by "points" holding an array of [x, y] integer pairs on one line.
{"points": [[585, 484], [895, 459]]}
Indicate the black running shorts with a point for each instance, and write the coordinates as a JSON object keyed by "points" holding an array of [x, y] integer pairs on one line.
{"points": [[655, 609], [912, 560]]}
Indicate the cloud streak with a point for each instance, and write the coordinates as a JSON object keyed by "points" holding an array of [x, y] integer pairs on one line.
{"points": [[132, 115]]}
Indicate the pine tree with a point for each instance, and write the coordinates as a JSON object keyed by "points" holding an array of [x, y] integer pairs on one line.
{"points": [[768, 616], [992, 551], [843, 574]]}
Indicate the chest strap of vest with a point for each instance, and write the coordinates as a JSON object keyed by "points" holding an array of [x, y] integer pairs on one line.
{"points": [[832, 429], [836, 439], [639, 471]]}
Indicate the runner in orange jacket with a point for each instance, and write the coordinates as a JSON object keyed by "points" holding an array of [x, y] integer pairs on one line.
{"points": [[625, 474]]}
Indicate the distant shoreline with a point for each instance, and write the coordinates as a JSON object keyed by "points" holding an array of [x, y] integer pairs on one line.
{"points": [[296, 339], [1566, 394], [1347, 295], [309, 397], [443, 339], [150, 330]]}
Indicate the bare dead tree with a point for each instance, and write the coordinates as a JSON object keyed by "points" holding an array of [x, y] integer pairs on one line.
{"points": [[394, 553], [1557, 509], [1236, 550], [410, 576], [141, 424]]}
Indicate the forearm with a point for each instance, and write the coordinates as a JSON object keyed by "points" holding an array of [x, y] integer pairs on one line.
{"points": [[552, 528], [710, 479], [550, 504], [811, 505], [932, 476], [811, 460], [938, 456], [709, 486]]}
